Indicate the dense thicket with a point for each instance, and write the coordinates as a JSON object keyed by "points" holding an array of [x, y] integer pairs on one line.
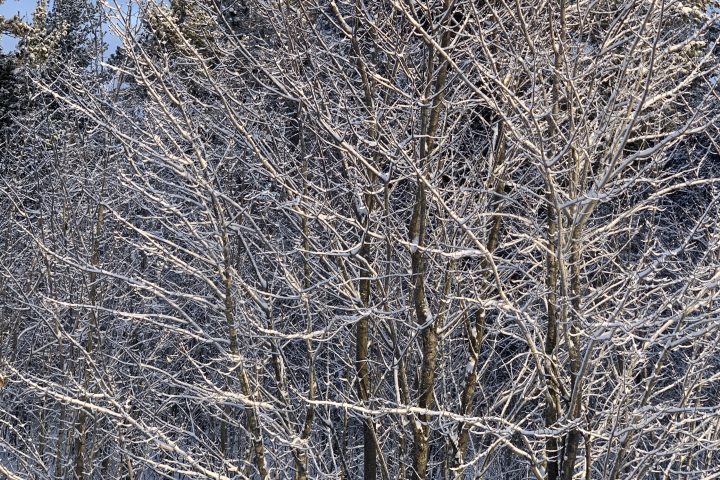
{"points": [[349, 239]]}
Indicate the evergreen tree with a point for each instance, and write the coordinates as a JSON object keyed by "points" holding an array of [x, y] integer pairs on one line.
{"points": [[8, 88], [81, 23]]}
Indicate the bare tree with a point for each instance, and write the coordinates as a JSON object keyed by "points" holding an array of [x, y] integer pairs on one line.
{"points": [[341, 239]]}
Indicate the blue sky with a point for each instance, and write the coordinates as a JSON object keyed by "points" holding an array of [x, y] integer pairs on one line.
{"points": [[25, 8], [11, 8]]}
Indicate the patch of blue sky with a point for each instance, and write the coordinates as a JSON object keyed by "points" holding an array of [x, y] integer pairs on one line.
{"points": [[10, 8], [25, 8]]}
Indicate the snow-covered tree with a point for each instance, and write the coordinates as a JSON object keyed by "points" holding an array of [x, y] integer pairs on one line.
{"points": [[395, 239]]}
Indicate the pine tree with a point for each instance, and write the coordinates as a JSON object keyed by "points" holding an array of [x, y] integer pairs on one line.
{"points": [[81, 24], [8, 88]]}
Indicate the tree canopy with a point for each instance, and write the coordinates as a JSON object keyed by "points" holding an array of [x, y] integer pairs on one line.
{"points": [[348, 239]]}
